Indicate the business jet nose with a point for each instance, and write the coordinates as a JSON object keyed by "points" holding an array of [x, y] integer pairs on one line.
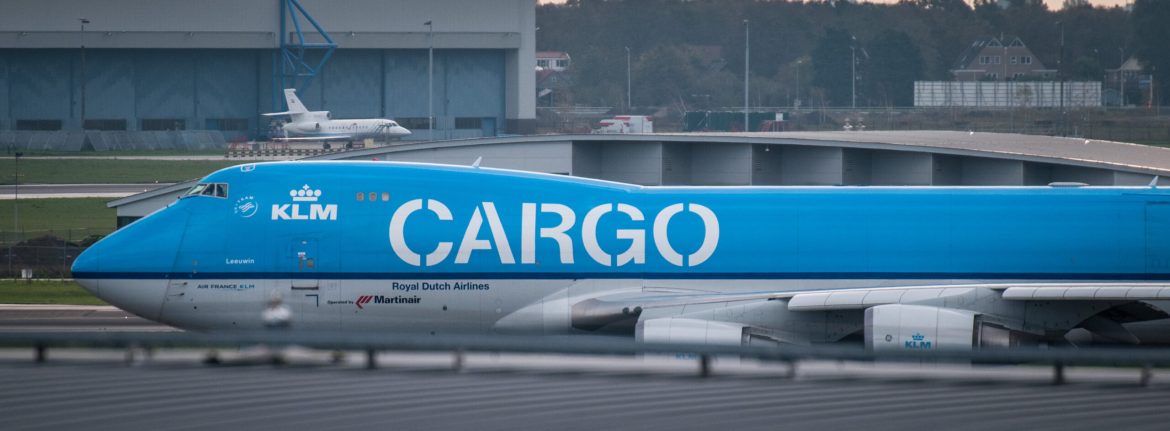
{"points": [[399, 130]]}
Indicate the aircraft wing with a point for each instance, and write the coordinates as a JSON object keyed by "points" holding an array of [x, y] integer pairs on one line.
{"points": [[671, 314], [314, 138], [1103, 292], [865, 297], [846, 299]]}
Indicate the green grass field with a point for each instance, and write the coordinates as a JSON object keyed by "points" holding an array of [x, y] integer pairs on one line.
{"points": [[45, 292], [85, 216], [108, 171]]}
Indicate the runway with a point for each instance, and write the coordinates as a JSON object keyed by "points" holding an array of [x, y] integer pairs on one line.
{"points": [[72, 318]]}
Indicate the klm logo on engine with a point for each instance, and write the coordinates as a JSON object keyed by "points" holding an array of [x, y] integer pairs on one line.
{"points": [[918, 342], [304, 206]]}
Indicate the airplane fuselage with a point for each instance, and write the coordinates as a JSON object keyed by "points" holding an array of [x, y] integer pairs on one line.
{"points": [[441, 249], [306, 125], [353, 130]]}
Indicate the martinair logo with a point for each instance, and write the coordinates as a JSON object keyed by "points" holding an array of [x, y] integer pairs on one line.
{"points": [[302, 196], [363, 300], [246, 206], [379, 299]]}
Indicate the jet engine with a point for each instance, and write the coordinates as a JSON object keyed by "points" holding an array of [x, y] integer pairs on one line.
{"points": [[895, 327], [691, 331]]}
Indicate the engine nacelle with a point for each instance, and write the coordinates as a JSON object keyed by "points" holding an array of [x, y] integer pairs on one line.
{"points": [[920, 328], [690, 331]]}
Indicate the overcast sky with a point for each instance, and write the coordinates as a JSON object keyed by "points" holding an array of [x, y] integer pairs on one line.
{"points": [[1052, 4]]}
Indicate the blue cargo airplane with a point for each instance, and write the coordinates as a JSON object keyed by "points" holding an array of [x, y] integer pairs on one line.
{"points": [[438, 249]]}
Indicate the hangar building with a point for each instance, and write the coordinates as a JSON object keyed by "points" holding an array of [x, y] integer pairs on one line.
{"points": [[131, 73]]}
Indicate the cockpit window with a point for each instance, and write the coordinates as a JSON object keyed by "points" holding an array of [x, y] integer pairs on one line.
{"points": [[197, 190], [218, 190]]}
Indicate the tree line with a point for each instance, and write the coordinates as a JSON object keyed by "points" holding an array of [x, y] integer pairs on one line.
{"points": [[690, 53]]}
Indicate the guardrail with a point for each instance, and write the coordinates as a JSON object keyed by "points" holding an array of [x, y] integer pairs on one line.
{"points": [[1142, 358]]}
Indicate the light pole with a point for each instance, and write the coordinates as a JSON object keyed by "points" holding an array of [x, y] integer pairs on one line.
{"points": [[430, 80], [1154, 103], [853, 73], [853, 69], [1006, 86], [629, 101], [1005, 57], [16, 194], [1121, 75], [797, 102], [15, 209], [83, 23], [1060, 65], [746, 62]]}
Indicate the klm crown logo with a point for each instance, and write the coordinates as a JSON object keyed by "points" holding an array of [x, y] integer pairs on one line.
{"points": [[305, 194], [314, 211], [917, 342]]}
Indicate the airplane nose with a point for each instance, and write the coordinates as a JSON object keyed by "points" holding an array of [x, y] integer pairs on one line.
{"points": [[85, 269], [401, 131], [99, 271], [129, 267]]}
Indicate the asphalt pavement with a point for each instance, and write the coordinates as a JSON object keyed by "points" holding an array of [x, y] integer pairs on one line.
{"points": [[72, 318], [43, 191]]}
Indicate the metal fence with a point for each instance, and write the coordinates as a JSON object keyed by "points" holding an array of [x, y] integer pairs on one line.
{"points": [[1142, 359], [44, 253], [1047, 94]]}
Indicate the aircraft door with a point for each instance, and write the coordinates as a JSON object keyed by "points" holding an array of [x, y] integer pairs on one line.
{"points": [[303, 255], [314, 309], [307, 296], [1158, 237]]}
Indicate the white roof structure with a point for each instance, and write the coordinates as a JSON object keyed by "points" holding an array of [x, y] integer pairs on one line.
{"points": [[871, 158]]}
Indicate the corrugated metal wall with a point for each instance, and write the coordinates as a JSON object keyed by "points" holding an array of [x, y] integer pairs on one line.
{"points": [[110, 85], [227, 82], [40, 84], [164, 85], [475, 79], [406, 95], [350, 85], [200, 85]]}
